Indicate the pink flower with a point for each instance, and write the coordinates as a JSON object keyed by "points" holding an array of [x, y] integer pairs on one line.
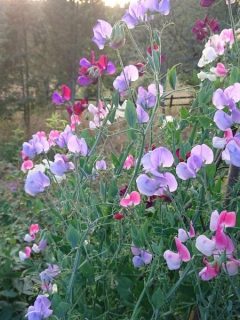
{"points": [[77, 145], [33, 229], [210, 271], [173, 259], [220, 70], [26, 165], [231, 267], [132, 199], [99, 114], [224, 219], [129, 162], [52, 137]]}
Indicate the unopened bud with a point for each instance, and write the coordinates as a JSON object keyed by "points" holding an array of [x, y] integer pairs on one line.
{"points": [[117, 39]]}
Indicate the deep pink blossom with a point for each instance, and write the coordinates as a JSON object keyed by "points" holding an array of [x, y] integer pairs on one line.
{"points": [[129, 162], [173, 259], [132, 199]]}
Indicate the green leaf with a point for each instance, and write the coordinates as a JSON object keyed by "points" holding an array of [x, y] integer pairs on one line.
{"points": [[234, 75], [72, 236], [131, 114], [157, 298], [184, 113], [211, 171], [156, 60], [172, 77]]}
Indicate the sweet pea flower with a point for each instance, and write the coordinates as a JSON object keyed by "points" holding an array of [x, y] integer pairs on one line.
{"points": [[37, 145], [132, 199], [63, 137], [141, 257], [50, 273], [183, 235], [200, 155], [102, 33], [231, 267], [91, 70], [23, 255], [159, 182], [26, 165], [202, 28], [52, 137], [173, 259], [99, 113], [135, 14], [101, 165], [122, 82], [158, 6], [142, 115], [64, 96], [210, 271], [40, 310], [77, 145], [206, 75], [148, 98], [228, 98], [220, 70], [36, 182], [129, 162], [40, 247], [61, 165]]}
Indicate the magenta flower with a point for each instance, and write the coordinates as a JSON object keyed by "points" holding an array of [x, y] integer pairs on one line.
{"points": [[206, 3], [102, 33], [90, 71], [203, 28], [40, 310], [61, 165], [64, 96], [141, 257], [36, 182], [210, 271], [132, 199], [173, 259], [122, 82]]}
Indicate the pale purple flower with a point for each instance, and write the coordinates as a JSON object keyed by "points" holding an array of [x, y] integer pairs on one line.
{"points": [[141, 257], [159, 182], [36, 182], [62, 139], [50, 273], [40, 247], [223, 120], [40, 310], [61, 165], [161, 6], [129, 74], [102, 33], [148, 98], [135, 14], [77, 145], [200, 155], [99, 113], [142, 115], [37, 145], [101, 165]]}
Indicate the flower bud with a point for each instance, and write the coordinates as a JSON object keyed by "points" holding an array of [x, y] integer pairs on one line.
{"points": [[117, 39]]}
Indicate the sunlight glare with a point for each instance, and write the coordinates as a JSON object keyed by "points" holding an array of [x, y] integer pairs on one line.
{"points": [[114, 3]]}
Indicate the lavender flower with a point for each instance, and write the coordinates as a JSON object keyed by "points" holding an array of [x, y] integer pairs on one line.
{"points": [[40, 310], [36, 182], [141, 257]]}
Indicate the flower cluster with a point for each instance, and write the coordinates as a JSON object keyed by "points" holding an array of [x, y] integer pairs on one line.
{"points": [[220, 247], [36, 248]]}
